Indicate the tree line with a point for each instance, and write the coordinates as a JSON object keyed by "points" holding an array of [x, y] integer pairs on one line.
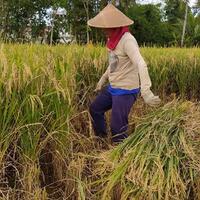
{"points": [[172, 22]]}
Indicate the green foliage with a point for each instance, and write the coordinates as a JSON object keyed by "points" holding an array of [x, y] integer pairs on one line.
{"points": [[148, 27], [18, 16], [174, 10], [25, 21]]}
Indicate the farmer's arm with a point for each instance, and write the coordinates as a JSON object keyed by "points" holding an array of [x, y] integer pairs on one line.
{"points": [[105, 75], [132, 50], [102, 80]]}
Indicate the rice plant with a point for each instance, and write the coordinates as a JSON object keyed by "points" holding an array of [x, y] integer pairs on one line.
{"points": [[47, 146], [160, 160]]}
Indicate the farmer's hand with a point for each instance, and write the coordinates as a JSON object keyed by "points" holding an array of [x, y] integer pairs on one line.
{"points": [[150, 99], [100, 84]]}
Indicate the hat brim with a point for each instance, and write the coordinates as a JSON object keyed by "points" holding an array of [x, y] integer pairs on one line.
{"points": [[110, 17]]}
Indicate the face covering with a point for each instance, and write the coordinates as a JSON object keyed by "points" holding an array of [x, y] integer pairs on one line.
{"points": [[115, 35]]}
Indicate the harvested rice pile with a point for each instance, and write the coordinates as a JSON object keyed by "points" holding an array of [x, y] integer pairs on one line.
{"points": [[160, 160]]}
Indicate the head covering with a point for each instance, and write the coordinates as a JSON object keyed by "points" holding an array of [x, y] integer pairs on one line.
{"points": [[115, 36], [110, 17]]}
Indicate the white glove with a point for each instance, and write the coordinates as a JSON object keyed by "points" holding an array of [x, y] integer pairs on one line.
{"points": [[100, 83], [150, 99]]}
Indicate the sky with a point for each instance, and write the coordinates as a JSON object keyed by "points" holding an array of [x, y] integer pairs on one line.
{"points": [[192, 2]]}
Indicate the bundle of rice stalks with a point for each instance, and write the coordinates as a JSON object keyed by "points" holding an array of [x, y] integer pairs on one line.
{"points": [[160, 160]]}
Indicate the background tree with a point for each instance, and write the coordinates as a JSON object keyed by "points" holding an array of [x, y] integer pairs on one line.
{"points": [[19, 16], [148, 27], [25, 20], [185, 22], [176, 14]]}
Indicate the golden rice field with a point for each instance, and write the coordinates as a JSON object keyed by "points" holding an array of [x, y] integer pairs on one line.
{"points": [[47, 146]]}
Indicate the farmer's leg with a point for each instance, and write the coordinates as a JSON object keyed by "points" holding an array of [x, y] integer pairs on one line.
{"points": [[101, 104], [121, 106]]}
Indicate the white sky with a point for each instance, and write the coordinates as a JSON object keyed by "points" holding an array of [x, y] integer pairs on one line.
{"points": [[192, 2]]}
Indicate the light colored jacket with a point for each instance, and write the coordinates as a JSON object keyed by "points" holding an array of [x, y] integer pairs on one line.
{"points": [[127, 68]]}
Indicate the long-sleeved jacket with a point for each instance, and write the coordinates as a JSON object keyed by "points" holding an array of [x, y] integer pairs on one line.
{"points": [[127, 69]]}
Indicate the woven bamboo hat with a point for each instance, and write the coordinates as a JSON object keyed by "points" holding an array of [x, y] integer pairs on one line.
{"points": [[110, 17]]}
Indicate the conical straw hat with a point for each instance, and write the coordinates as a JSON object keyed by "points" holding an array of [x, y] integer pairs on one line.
{"points": [[110, 17]]}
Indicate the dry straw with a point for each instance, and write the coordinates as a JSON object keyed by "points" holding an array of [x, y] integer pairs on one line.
{"points": [[160, 160]]}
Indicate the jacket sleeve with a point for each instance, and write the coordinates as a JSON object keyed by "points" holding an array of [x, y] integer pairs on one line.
{"points": [[104, 77], [131, 48]]}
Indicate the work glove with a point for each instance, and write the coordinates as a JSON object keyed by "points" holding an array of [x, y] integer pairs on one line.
{"points": [[100, 83], [150, 99]]}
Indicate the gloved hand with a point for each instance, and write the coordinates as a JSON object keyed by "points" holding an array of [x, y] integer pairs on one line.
{"points": [[100, 83], [150, 99]]}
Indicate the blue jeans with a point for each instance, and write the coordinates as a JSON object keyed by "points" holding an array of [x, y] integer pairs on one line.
{"points": [[120, 105]]}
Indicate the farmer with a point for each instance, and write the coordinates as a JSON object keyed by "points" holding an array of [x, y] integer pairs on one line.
{"points": [[127, 74]]}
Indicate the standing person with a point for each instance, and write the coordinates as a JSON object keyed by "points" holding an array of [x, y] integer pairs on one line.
{"points": [[127, 74]]}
